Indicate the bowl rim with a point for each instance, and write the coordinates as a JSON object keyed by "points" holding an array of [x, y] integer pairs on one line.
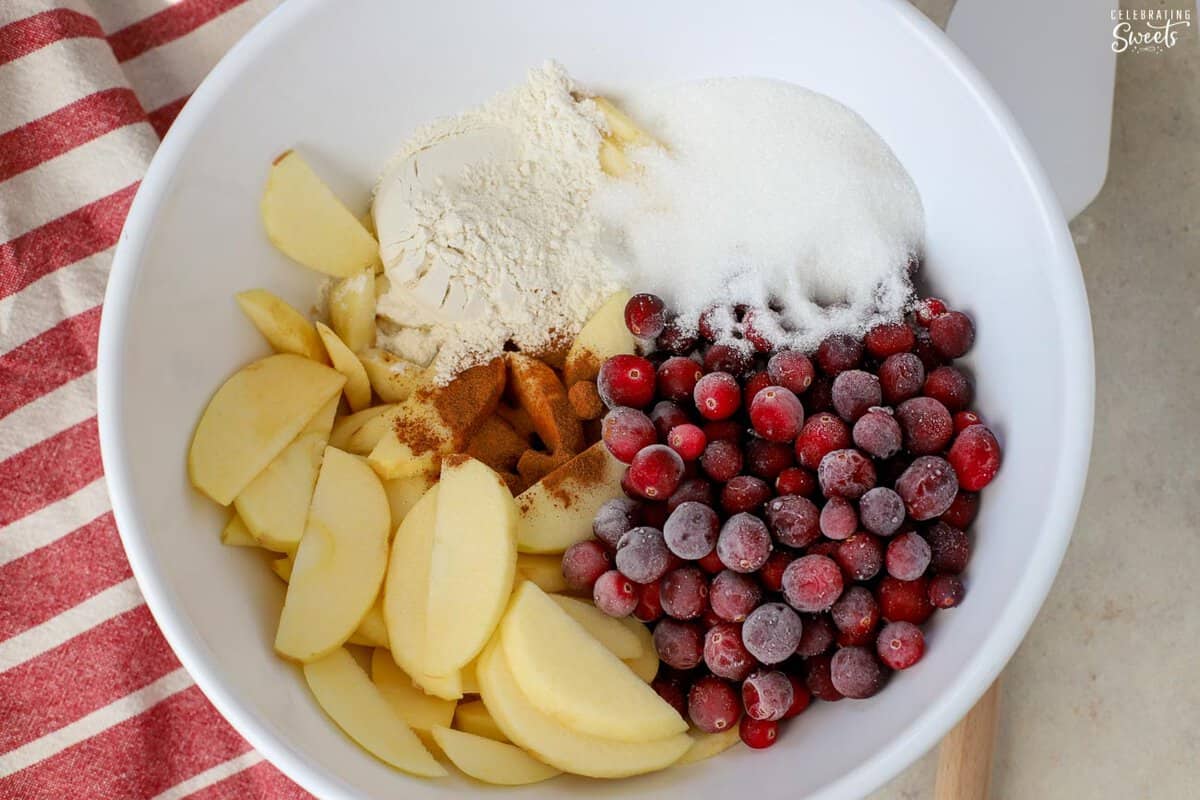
{"points": [[981, 669]]}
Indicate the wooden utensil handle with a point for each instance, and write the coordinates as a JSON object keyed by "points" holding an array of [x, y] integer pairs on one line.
{"points": [[965, 757]]}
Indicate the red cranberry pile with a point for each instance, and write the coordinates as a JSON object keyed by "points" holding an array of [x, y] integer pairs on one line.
{"points": [[791, 518]]}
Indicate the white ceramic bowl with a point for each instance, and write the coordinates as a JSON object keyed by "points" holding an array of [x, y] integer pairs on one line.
{"points": [[345, 82]]}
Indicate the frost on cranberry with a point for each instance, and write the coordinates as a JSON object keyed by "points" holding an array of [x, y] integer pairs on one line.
{"points": [[794, 520], [877, 433], [900, 645], [626, 431], [626, 380], [744, 543], [839, 520], [717, 396], [776, 414], [907, 557], [767, 694], [838, 353], [952, 334], [684, 593], [860, 556], [812, 583], [584, 562], [645, 316], [733, 595], [949, 387], [945, 591], [675, 339], [948, 547], [817, 635], [655, 472], [667, 416], [888, 339], [615, 594], [614, 519], [927, 309], [855, 391], [717, 322], [927, 487], [901, 376], [758, 733], [771, 632], [695, 490], [714, 705], [845, 473], [691, 530], [679, 644], [856, 673], [761, 327], [768, 460], [725, 655], [881, 511], [734, 358], [744, 493], [855, 616], [926, 425], [975, 456], [687, 440], [904, 601], [822, 433], [642, 555], [791, 370]]}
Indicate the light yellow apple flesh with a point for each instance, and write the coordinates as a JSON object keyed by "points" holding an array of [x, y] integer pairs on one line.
{"points": [[403, 494], [707, 745], [275, 504], [491, 761], [544, 570], [352, 310], [473, 717], [236, 534], [393, 378], [357, 388], [608, 631], [557, 511], [421, 711], [284, 328], [644, 666], [371, 632], [602, 336]]}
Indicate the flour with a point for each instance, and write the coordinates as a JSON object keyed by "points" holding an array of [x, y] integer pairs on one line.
{"points": [[486, 231]]}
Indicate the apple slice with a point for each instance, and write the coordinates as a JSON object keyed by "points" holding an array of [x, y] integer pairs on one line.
{"points": [[307, 223], [569, 675], [253, 417], [403, 494], [283, 567], [285, 328], [644, 666], [423, 712], [357, 388], [550, 741], [491, 761], [470, 682], [352, 310], [603, 335], [236, 534], [275, 504], [345, 427], [545, 571], [541, 394], [393, 378], [473, 717], [347, 695], [371, 632], [707, 745], [557, 511], [472, 564], [340, 563], [621, 127], [608, 631]]}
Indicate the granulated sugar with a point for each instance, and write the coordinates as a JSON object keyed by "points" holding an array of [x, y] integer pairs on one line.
{"points": [[767, 194]]}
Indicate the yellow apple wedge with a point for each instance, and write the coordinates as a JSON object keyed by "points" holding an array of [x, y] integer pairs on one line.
{"points": [[340, 563], [557, 511], [403, 494], [371, 632], [707, 745], [603, 335], [364, 440], [573, 678], [544, 570], [473, 717], [550, 741], [622, 128], [470, 682], [357, 388], [236, 534], [283, 567], [345, 427], [490, 761], [472, 563], [284, 328], [352, 310], [253, 417], [275, 504], [347, 695], [608, 631], [613, 159], [307, 222], [393, 378], [423, 712], [322, 421], [644, 666]]}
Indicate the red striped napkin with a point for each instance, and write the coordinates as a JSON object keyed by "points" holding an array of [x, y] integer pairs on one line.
{"points": [[93, 703]]}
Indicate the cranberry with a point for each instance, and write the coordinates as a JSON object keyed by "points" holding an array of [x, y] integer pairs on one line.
{"points": [[838, 518], [881, 511], [949, 549], [756, 383], [771, 573], [687, 440], [767, 695], [583, 563], [679, 644], [801, 698], [626, 431], [696, 490], [723, 430], [845, 473], [654, 514], [945, 591], [684, 593], [854, 392], [671, 690], [768, 460], [649, 607], [819, 680], [949, 387], [691, 530], [812, 583], [860, 556], [856, 673], [975, 456], [962, 511], [900, 645], [796, 480], [901, 376], [642, 555], [675, 340], [711, 563], [838, 353], [855, 615], [908, 557], [877, 433], [734, 359], [823, 547], [733, 595], [926, 425], [677, 378], [927, 309], [626, 380], [722, 460], [717, 395], [889, 338], [817, 635], [821, 434], [771, 632], [744, 543], [904, 601], [952, 334], [714, 705], [614, 594], [820, 395], [708, 618], [725, 655], [655, 472], [758, 733], [645, 316], [926, 353], [791, 370], [760, 326], [794, 520], [716, 322], [776, 414], [613, 519], [744, 493], [965, 419], [666, 416], [927, 487]]}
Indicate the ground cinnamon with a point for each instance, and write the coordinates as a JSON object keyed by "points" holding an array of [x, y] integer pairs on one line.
{"points": [[585, 400], [461, 405], [496, 444]]}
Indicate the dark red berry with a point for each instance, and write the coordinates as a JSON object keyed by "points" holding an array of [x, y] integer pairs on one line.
{"points": [[696, 490], [817, 635], [645, 316], [761, 328], [855, 615], [888, 339], [904, 601], [801, 697], [642, 555], [714, 705], [716, 322], [845, 473], [768, 460], [725, 655], [794, 520], [717, 395], [584, 562], [949, 387], [679, 644], [626, 431], [796, 480], [838, 353], [952, 334], [614, 594], [672, 690], [855, 672], [771, 632], [649, 608], [744, 543], [776, 414], [820, 395], [766, 695], [626, 380], [654, 514], [975, 456], [818, 679], [822, 433], [677, 378], [907, 557], [949, 549], [927, 487], [838, 518], [667, 416], [900, 645], [881, 511], [711, 563], [771, 573], [735, 358], [684, 593], [691, 530], [724, 430], [791, 370], [733, 595], [926, 425], [687, 440], [613, 519], [758, 733], [901, 376], [877, 433], [927, 309], [722, 460], [755, 384], [655, 472], [860, 556], [965, 419], [812, 583], [962, 511], [744, 493], [675, 340], [945, 591], [926, 353], [854, 392]]}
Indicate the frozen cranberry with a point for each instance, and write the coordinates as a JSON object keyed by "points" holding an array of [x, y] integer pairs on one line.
{"points": [[626, 431], [645, 316], [760, 327], [822, 433], [614, 594], [776, 414], [845, 473], [766, 694], [881, 511], [900, 645], [708, 617], [856, 673], [965, 419], [768, 460], [726, 430], [888, 339], [794, 520], [822, 547], [673, 691], [717, 395], [949, 387], [855, 615], [926, 425], [735, 358], [927, 309], [855, 391], [801, 697], [714, 705], [654, 514], [744, 493], [771, 573], [649, 607], [860, 556], [952, 334], [676, 340], [838, 518], [613, 519], [758, 733], [927, 487], [711, 563], [679, 644], [744, 543], [904, 601], [722, 460], [642, 555], [796, 480], [812, 583], [771, 632], [907, 557], [696, 490], [945, 591], [755, 384], [949, 549], [926, 353], [677, 378], [962, 511], [666, 416], [733, 595], [687, 440], [655, 472], [817, 635], [838, 353], [583, 563], [691, 530], [791, 370], [820, 395], [725, 655], [716, 322], [819, 680], [975, 456], [626, 380], [901, 376], [877, 433], [684, 593]]}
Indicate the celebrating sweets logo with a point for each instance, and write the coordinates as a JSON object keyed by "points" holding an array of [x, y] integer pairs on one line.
{"points": [[1145, 30]]}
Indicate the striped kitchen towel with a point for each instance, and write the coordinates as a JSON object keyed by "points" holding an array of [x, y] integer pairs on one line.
{"points": [[93, 703]]}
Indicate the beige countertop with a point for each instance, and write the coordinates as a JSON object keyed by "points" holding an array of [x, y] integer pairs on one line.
{"points": [[1102, 700]]}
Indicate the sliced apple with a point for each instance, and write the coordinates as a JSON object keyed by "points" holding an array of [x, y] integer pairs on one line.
{"points": [[283, 567], [253, 417], [472, 564], [550, 741], [371, 632], [423, 712], [470, 682], [557, 511], [545, 571], [569, 675], [275, 504], [393, 378], [307, 222], [644, 666], [473, 717], [284, 328], [352, 310], [604, 335], [322, 421], [542, 395], [347, 695], [403, 494], [608, 631], [613, 159], [707, 745], [341, 560], [622, 128], [357, 388], [345, 427], [491, 761], [236, 534]]}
